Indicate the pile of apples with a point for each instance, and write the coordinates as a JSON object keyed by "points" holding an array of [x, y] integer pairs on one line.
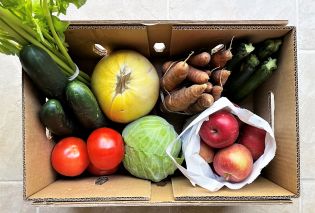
{"points": [[230, 145]]}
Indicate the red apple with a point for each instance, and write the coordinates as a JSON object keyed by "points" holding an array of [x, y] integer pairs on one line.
{"points": [[254, 140], [233, 163], [221, 130], [206, 152]]}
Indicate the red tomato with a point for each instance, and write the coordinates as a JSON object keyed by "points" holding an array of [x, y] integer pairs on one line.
{"points": [[69, 157], [98, 172], [105, 147]]}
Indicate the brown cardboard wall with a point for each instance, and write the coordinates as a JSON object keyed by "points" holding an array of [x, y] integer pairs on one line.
{"points": [[162, 34], [38, 172], [187, 38], [82, 39], [284, 168], [261, 188], [117, 187]]}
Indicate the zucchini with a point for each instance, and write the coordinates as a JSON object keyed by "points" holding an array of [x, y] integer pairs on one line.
{"points": [[43, 71], [246, 70], [54, 118], [241, 51], [267, 48], [258, 77], [84, 105]]}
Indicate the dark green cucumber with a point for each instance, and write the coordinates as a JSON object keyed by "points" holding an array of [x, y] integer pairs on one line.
{"points": [[256, 79], [84, 105], [240, 52], [43, 71], [267, 48], [53, 117], [247, 68]]}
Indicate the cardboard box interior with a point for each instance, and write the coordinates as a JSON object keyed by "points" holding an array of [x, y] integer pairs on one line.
{"points": [[280, 179]]}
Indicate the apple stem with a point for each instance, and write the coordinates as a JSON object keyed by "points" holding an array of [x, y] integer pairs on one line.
{"points": [[227, 176], [213, 131]]}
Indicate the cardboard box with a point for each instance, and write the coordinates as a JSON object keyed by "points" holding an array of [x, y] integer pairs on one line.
{"points": [[280, 180]]}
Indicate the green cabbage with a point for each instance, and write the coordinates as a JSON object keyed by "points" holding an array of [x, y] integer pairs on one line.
{"points": [[146, 141]]}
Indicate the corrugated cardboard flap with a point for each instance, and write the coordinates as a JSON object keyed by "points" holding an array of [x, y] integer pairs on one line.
{"points": [[117, 187], [260, 189], [161, 195], [188, 22]]}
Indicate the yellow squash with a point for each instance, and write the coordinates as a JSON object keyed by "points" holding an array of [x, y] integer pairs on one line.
{"points": [[126, 85]]}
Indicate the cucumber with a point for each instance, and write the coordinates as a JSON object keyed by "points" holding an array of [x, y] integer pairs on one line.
{"points": [[256, 79], [84, 105], [43, 71], [54, 118], [267, 48], [241, 51], [246, 70]]}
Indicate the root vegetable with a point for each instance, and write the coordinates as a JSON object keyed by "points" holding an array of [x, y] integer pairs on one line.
{"points": [[197, 76], [219, 59], [209, 72], [181, 99], [209, 87], [216, 92], [220, 76], [167, 65], [203, 102], [222, 56], [174, 76], [200, 60]]}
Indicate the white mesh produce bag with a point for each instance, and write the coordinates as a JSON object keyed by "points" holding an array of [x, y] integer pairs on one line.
{"points": [[198, 170]]}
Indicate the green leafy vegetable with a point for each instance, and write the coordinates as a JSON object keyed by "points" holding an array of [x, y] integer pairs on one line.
{"points": [[146, 141], [8, 44], [36, 21]]}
